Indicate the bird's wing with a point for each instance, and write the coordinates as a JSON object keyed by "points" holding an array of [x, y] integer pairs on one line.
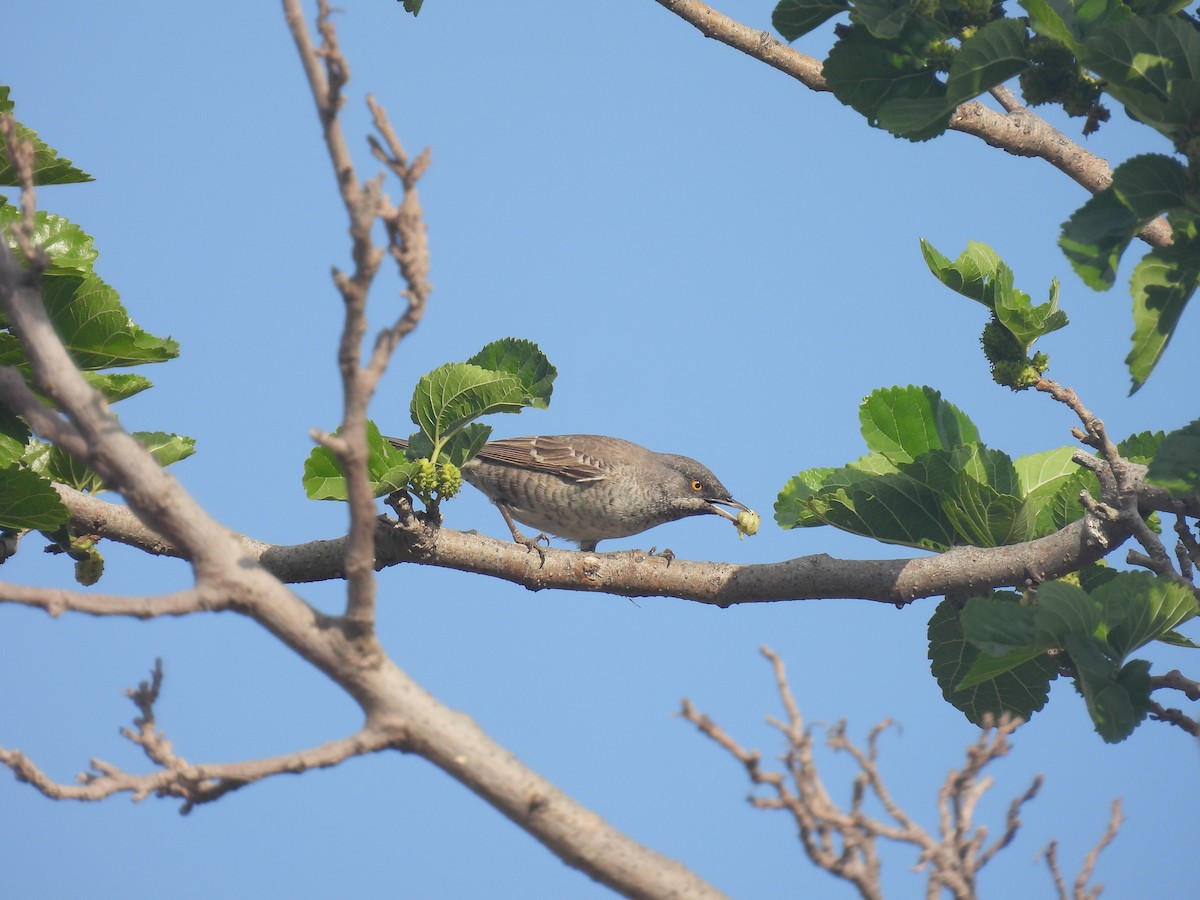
{"points": [[546, 454]]}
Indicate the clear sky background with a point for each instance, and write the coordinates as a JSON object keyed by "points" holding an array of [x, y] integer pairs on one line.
{"points": [[720, 263]]}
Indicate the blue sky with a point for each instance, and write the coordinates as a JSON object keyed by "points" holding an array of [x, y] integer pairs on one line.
{"points": [[720, 263]]}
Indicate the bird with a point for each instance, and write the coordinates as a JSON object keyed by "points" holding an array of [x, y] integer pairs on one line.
{"points": [[588, 488]]}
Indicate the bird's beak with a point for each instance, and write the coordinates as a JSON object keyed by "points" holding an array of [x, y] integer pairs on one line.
{"points": [[714, 507]]}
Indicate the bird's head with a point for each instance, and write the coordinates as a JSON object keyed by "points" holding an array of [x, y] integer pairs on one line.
{"points": [[693, 489]]}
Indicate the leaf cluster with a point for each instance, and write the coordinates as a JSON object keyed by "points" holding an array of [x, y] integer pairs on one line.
{"points": [[1000, 653], [928, 481], [507, 375], [99, 335], [1015, 324], [907, 64]]}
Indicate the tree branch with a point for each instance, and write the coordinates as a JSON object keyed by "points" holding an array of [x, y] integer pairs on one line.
{"points": [[1019, 131], [844, 842], [328, 72], [175, 776]]}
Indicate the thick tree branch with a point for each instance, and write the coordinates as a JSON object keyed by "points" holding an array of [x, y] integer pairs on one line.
{"points": [[637, 574], [1019, 131]]}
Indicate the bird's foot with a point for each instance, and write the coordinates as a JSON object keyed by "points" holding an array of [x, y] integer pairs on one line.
{"points": [[534, 543]]}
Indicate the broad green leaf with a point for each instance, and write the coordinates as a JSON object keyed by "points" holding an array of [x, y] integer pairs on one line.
{"points": [[1139, 608], [388, 469], [1162, 284], [29, 501], [460, 448], [971, 274], [523, 360], [70, 248], [1141, 447], [916, 118], [48, 166], [882, 18], [1175, 639], [1026, 322], [904, 422], [59, 466], [166, 448], [991, 56], [93, 325], [14, 434], [63, 468], [454, 394], [1176, 465], [894, 509], [116, 387], [791, 510], [984, 517], [981, 275], [1070, 21], [1064, 507], [1063, 610], [795, 18], [864, 72], [999, 623], [1020, 690], [1049, 468], [1152, 65], [1117, 700]]}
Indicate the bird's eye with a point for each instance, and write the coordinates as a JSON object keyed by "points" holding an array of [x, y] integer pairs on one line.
{"points": [[697, 486]]}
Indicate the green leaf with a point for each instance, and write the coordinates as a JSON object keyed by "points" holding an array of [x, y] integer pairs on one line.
{"points": [[1175, 639], [452, 395], [63, 468], [388, 469], [70, 248], [1141, 447], [973, 274], [413, 6], [1117, 700], [1049, 485], [882, 18], [1064, 507], [791, 509], [1096, 235], [795, 18], [1162, 284], [48, 166], [1139, 608], [116, 387], [1063, 610], [864, 72], [894, 508], [999, 623], [1070, 21], [1019, 690], [991, 56], [165, 448], [983, 516], [1176, 465], [94, 326], [29, 501], [14, 434], [1152, 65], [523, 360], [903, 422]]}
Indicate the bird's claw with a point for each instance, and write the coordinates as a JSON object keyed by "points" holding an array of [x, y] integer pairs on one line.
{"points": [[534, 543]]}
